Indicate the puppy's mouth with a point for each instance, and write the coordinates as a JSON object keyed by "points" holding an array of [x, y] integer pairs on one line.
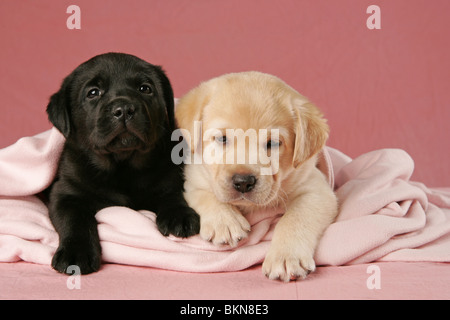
{"points": [[123, 143], [256, 198], [244, 200]]}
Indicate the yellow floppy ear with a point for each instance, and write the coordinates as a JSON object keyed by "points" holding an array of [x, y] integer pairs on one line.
{"points": [[189, 109], [311, 131]]}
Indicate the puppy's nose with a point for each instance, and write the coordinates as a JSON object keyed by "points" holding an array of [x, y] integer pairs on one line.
{"points": [[124, 112], [243, 183]]}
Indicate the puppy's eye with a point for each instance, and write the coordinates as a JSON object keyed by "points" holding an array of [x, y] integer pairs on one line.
{"points": [[94, 92], [146, 89], [273, 144], [221, 139]]}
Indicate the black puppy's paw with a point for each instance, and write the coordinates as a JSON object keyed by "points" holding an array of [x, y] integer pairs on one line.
{"points": [[87, 257], [183, 222]]}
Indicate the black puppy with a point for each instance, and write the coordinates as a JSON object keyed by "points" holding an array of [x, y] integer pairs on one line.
{"points": [[116, 112]]}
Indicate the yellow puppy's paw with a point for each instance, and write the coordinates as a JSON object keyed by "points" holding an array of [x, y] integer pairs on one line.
{"points": [[286, 266], [224, 227]]}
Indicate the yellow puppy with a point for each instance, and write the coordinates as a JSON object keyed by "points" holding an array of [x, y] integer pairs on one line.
{"points": [[255, 141]]}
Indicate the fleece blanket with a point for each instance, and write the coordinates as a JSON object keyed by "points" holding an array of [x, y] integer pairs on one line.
{"points": [[383, 216]]}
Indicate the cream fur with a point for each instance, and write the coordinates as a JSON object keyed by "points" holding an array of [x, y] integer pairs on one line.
{"points": [[253, 100]]}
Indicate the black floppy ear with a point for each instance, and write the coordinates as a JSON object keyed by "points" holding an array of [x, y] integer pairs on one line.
{"points": [[58, 109], [168, 97]]}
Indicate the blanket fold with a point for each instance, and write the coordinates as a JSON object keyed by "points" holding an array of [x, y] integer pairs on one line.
{"points": [[383, 216]]}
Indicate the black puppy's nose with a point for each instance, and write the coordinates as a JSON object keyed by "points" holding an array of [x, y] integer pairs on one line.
{"points": [[243, 183], [124, 112]]}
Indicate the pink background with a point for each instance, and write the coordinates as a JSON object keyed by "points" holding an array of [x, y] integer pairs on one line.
{"points": [[387, 88]]}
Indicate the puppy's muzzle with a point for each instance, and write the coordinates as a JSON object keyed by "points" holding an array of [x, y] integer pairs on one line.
{"points": [[122, 128], [243, 183]]}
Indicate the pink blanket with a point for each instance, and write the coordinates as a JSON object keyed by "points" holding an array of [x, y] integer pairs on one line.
{"points": [[383, 216]]}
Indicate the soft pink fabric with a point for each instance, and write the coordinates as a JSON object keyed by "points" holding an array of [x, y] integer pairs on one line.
{"points": [[383, 216], [398, 280], [28, 166]]}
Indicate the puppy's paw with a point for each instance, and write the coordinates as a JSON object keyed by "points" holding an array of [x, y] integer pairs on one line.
{"points": [[87, 257], [182, 223], [284, 265], [224, 227]]}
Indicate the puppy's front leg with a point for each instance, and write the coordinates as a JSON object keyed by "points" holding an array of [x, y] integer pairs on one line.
{"points": [[220, 223], [174, 216], [76, 226], [296, 236]]}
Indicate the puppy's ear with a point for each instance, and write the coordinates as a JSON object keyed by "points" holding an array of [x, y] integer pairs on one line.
{"points": [[311, 131], [189, 110], [167, 93], [58, 109]]}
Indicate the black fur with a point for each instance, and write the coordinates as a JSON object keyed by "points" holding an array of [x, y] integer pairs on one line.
{"points": [[117, 114]]}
